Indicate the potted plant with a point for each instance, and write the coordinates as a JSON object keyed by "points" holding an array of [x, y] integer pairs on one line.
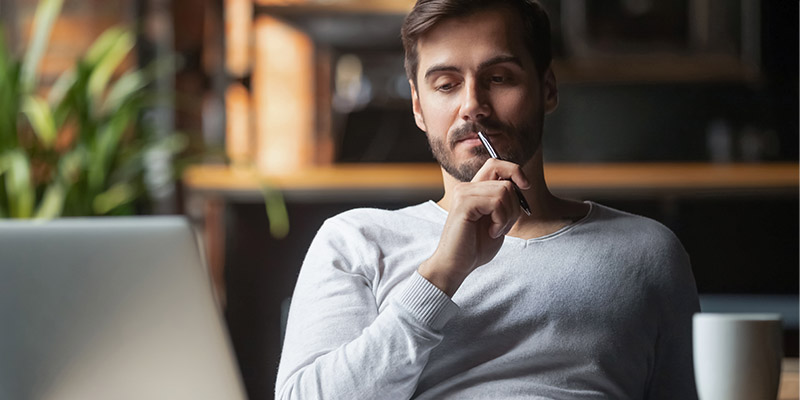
{"points": [[83, 149]]}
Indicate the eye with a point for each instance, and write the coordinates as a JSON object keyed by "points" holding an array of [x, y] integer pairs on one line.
{"points": [[446, 87], [498, 79]]}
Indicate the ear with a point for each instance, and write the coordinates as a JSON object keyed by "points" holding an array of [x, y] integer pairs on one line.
{"points": [[418, 118], [550, 91]]}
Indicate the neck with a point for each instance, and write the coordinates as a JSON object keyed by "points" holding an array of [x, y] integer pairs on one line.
{"points": [[548, 212]]}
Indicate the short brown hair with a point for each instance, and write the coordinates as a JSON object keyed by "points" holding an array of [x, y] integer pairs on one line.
{"points": [[427, 13]]}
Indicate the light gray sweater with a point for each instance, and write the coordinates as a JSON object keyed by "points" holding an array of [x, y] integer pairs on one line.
{"points": [[600, 309]]}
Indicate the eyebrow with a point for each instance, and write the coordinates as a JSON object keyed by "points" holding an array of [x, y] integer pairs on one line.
{"points": [[486, 64]]}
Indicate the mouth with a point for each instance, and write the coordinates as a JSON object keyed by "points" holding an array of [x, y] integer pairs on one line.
{"points": [[474, 136], [467, 135], [473, 145], [470, 140]]}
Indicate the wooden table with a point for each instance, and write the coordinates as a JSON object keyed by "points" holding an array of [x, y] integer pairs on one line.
{"points": [[790, 382]]}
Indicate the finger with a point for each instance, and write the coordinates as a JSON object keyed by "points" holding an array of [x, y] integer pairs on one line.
{"points": [[511, 205], [499, 218], [494, 169], [495, 201]]}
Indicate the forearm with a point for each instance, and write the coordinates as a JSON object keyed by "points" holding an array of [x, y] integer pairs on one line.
{"points": [[384, 361]]}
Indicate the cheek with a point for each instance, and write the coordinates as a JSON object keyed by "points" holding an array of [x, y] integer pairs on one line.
{"points": [[438, 114], [516, 103]]}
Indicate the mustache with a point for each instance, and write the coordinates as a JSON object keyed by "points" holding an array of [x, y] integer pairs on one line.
{"points": [[469, 128]]}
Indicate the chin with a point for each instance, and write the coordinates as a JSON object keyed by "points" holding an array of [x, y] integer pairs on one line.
{"points": [[466, 170]]}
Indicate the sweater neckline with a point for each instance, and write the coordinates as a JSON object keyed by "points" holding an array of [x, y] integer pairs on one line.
{"points": [[592, 207]]}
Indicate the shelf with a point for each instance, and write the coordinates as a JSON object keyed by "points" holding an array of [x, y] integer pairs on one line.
{"points": [[220, 178], [654, 68], [673, 176], [362, 23], [621, 178], [298, 7]]}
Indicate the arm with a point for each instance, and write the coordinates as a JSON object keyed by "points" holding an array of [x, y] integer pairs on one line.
{"points": [[337, 344], [673, 373]]}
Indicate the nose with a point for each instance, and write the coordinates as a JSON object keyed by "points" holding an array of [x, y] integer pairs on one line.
{"points": [[475, 103]]}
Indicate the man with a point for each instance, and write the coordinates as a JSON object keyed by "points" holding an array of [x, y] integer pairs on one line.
{"points": [[468, 298]]}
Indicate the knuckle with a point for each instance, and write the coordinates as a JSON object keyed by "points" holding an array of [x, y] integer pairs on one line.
{"points": [[496, 166], [499, 189], [458, 195], [497, 203]]}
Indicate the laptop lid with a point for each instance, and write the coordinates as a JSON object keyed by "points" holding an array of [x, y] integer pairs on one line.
{"points": [[110, 308]]}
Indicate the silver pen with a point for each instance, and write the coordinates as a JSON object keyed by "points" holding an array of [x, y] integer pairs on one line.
{"points": [[522, 203]]}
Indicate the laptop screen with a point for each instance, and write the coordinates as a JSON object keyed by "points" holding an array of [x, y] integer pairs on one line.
{"points": [[110, 308]]}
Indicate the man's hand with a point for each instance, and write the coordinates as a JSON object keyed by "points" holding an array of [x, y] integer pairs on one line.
{"points": [[481, 213]]}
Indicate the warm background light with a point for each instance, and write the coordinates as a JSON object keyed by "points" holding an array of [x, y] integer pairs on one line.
{"points": [[283, 89], [238, 126], [238, 27]]}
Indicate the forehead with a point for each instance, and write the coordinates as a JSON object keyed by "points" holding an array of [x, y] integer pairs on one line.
{"points": [[473, 38]]}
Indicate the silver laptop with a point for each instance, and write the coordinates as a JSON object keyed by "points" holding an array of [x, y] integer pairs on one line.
{"points": [[110, 308]]}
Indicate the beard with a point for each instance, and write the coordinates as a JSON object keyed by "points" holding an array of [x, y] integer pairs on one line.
{"points": [[522, 143]]}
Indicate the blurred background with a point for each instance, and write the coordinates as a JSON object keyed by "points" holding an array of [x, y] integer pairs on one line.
{"points": [[683, 111]]}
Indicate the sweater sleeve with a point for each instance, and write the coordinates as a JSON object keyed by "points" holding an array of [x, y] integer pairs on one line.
{"points": [[672, 376], [338, 345]]}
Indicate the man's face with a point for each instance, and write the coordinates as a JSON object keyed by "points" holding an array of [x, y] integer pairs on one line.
{"points": [[475, 74]]}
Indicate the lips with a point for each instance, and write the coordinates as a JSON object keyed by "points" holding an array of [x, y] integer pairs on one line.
{"points": [[469, 132], [473, 136], [469, 137], [468, 140]]}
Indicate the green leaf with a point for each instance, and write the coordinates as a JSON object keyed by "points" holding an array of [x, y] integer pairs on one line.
{"points": [[14, 164], [122, 43], [133, 81], [9, 97], [46, 13], [101, 46], [105, 147], [71, 171], [71, 164], [69, 99], [117, 195], [69, 168], [5, 54], [52, 203], [276, 212], [124, 88], [41, 119], [171, 144], [61, 86]]}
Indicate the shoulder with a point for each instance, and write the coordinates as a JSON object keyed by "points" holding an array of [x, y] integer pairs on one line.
{"points": [[646, 249], [364, 237], [654, 250], [635, 233], [631, 225], [367, 220], [380, 227]]}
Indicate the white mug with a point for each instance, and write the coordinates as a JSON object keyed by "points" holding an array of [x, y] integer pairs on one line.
{"points": [[737, 356]]}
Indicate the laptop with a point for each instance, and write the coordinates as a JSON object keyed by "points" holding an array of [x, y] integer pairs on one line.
{"points": [[110, 308]]}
